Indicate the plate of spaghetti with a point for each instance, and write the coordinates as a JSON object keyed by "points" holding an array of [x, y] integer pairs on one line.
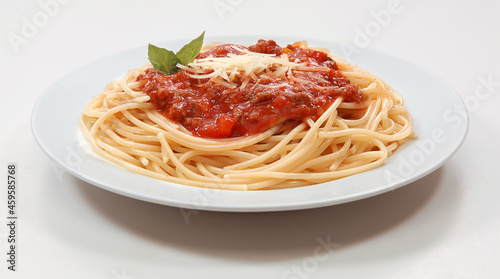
{"points": [[248, 124]]}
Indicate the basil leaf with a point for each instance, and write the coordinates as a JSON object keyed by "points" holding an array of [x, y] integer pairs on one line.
{"points": [[188, 52], [163, 60]]}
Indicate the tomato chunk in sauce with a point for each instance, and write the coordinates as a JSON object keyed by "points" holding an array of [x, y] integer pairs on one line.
{"points": [[213, 110]]}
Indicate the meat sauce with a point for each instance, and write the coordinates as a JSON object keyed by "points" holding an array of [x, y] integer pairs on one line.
{"points": [[211, 110]]}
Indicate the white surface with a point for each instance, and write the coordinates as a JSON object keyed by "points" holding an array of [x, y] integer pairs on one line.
{"points": [[445, 225], [57, 114]]}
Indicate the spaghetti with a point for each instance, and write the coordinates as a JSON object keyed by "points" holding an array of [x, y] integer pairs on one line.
{"points": [[341, 137]]}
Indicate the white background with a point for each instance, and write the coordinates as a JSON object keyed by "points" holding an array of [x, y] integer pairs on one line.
{"points": [[445, 225]]}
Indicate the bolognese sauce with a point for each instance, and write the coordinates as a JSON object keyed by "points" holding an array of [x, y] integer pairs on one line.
{"points": [[251, 104]]}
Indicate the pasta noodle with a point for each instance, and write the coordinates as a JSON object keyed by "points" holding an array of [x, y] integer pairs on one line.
{"points": [[348, 138]]}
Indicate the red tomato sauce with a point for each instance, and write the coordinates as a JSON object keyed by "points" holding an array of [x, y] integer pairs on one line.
{"points": [[211, 110]]}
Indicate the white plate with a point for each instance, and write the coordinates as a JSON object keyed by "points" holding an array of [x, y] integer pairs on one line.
{"points": [[439, 115]]}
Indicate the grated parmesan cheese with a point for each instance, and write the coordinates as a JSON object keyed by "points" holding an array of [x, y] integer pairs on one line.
{"points": [[246, 66]]}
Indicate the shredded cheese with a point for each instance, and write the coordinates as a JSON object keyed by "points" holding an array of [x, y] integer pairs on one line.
{"points": [[245, 66]]}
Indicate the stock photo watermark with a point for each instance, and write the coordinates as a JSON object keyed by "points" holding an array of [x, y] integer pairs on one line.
{"points": [[426, 147], [73, 158], [202, 198], [12, 219], [363, 36], [222, 7], [485, 87], [322, 252], [121, 273], [186, 214], [32, 25]]}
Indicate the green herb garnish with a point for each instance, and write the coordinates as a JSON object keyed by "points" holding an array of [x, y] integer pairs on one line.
{"points": [[165, 61]]}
